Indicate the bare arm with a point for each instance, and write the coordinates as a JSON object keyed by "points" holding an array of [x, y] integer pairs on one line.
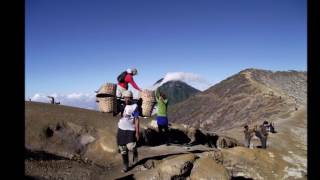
{"points": [[157, 94]]}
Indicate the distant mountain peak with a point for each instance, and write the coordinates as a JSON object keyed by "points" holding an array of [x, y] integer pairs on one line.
{"points": [[176, 90], [171, 81]]}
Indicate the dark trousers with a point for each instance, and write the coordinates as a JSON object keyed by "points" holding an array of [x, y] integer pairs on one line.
{"points": [[247, 140], [263, 139], [126, 141], [164, 132]]}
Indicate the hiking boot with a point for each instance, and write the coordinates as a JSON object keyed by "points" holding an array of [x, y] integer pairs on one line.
{"points": [[124, 169], [125, 160]]}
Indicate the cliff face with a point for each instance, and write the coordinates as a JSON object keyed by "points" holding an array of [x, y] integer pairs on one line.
{"points": [[250, 96]]}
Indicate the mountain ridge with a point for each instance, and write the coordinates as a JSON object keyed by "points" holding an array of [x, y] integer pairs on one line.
{"points": [[250, 96], [75, 143]]}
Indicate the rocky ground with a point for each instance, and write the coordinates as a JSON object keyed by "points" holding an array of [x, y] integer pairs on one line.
{"points": [[288, 145], [206, 130], [72, 143]]}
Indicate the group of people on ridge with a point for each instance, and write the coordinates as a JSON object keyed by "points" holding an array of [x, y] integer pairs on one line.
{"points": [[260, 131], [128, 126]]}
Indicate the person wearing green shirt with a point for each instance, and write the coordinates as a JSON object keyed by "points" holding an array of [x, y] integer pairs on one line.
{"points": [[162, 119]]}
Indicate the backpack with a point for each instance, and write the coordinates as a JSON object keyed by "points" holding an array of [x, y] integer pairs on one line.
{"points": [[121, 77]]}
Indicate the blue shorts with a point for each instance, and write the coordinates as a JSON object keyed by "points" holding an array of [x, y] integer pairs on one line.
{"points": [[162, 120]]}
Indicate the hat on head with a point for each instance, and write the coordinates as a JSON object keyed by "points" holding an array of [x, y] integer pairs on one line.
{"points": [[129, 71], [132, 71]]}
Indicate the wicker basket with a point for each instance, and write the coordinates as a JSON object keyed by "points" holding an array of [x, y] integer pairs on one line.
{"points": [[148, 102], [148, 95], [108, 88], [147, 107], [106, 104]]}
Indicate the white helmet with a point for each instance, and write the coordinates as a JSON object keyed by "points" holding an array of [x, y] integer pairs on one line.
{"points": [[129, 71], [127, 94], [132, 71]]}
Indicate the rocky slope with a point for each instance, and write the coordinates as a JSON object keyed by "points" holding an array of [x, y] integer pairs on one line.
{"points": [[288, 145], [74, 143], [64, 142], [250, 96]]}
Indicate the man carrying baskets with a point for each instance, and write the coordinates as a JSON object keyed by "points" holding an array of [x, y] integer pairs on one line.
{"points": [[126, 78], [128, 131]]}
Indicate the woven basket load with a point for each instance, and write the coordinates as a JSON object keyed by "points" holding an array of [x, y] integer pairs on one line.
{"points": [[148, 95], [147, 108], [148, 101], [108, 88], [106, 104]]}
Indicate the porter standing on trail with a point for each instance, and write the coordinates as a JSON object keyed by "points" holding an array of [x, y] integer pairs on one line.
{"points": [[128, 131], [259, 131], [248, 134], [162, 119], [124, 79], [262, 134]]}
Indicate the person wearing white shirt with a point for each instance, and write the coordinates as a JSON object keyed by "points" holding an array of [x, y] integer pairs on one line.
{"points": [[128, 131]]}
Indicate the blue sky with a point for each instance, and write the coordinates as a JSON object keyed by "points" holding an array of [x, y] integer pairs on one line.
{"points": [[73, 46]]}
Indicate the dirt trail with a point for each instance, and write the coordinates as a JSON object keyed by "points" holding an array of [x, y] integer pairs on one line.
{"points": [[289, 143]]}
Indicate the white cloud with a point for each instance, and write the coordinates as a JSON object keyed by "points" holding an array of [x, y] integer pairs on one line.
{"points": [[76, 96], [40, 98], [194, 80], [82, 100], [88, 100]]}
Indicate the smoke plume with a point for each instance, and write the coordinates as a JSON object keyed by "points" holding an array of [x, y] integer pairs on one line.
{"points": [[189, 78]]}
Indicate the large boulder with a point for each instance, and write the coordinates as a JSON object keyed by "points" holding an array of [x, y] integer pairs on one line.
{"points": [[152, 174], [253, 163], [226, 142], [207, 168], [103, 150], [176, 166], [215, 155], [170, 168]]}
